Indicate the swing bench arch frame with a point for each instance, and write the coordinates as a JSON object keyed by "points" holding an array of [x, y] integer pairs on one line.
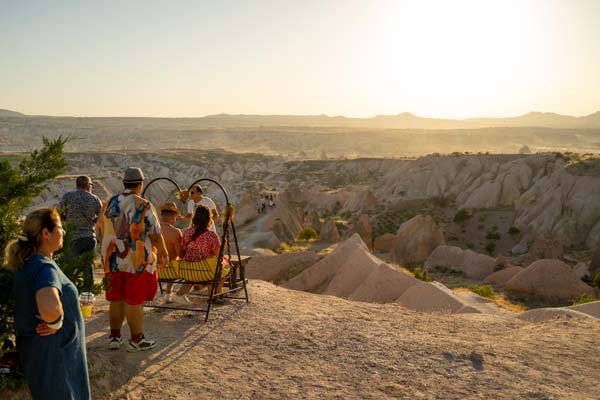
{"points": [[236, 282]]}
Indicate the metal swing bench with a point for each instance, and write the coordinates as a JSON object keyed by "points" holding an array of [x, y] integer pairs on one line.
{"points": [[208, 271]]}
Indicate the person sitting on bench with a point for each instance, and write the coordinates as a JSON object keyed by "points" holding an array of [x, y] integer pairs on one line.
{"points": [[199, 242], [173, 236]]}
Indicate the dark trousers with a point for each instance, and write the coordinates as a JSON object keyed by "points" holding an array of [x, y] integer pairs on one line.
{"points": [[80, 246]]}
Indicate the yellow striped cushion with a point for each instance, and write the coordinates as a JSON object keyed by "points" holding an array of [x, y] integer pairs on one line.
{"points": [[170, 271], [200, 271]]}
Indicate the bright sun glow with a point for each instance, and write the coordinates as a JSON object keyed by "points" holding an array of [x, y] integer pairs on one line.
{"points": [[443, 57]]}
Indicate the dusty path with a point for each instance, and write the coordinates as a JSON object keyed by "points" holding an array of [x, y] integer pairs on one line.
{"points": [[286, 344], [253, 231]]}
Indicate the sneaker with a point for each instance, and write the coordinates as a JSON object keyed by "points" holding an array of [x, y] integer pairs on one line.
{"points": [[114, 343], [142, 345]]}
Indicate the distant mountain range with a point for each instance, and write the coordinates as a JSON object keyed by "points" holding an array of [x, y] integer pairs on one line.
{"points": [[399, 121], [8, 113]]}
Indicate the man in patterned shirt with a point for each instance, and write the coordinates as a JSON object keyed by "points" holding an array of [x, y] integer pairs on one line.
{"points": [[80, 208], [131, 236]]}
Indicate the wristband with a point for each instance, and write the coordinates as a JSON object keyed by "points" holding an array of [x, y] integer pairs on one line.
{"points": [[56, 325]]}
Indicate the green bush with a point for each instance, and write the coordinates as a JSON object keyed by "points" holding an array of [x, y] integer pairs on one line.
{"points": [[492, 236], [461, 216], [585, 298], [421, 274], [483, 290], [513, 230], [597, 278], [490, 248], [307, 234]]}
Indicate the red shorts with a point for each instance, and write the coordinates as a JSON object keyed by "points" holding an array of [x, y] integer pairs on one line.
{"points": [[134, 289]]}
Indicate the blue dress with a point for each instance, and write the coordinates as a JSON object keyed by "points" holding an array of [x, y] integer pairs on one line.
{"points": [[55, 365]]}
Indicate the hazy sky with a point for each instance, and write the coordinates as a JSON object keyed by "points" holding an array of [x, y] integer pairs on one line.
{"points": [[447, 58]]}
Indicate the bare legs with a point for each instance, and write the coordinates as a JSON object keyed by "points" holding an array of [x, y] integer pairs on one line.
{"points": [[119, 311]]}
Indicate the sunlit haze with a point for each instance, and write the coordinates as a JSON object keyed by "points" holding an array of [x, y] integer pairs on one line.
{"points": [[447, 59]]}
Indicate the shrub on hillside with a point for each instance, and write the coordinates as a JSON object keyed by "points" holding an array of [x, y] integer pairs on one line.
{"points": [[597, 278], [483, 290], [307, 234], [290, 248], [513, 230], [492, 236], [490, 248], [585, 298], [421, 274]]}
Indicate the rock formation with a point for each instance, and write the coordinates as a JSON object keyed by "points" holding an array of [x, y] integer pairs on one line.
{"points": [[361, 202], [280, 267], [352, 272], [329, 232], [383, 243], [595, 263], [415, 240], [551, 280], [545, 246], [433, 297], [499, 278], [364, 229], [471, 264], [313, 220], [582, 270]]}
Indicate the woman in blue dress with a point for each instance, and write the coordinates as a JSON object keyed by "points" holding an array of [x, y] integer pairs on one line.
{"points": [[49, 326]]}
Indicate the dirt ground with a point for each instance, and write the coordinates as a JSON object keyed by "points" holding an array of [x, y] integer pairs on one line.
{"points": [[285, 344]]}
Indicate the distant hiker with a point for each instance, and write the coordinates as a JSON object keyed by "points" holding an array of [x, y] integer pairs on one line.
{"points": [[199, 199], [130, 234], [80, 208], [172, 237], [49, 326]]}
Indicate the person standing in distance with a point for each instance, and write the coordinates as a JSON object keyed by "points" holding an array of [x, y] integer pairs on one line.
{"points": [[198, 199], [81, 208], [131, 231]]}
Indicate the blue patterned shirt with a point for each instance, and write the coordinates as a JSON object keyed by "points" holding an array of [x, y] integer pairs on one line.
{"points": [[81, 209]]}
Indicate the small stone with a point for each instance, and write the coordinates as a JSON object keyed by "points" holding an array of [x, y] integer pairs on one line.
{"points": [[476, 357]]}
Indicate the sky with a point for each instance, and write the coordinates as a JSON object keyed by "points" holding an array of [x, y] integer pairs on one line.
{"points": [[445, 59]]}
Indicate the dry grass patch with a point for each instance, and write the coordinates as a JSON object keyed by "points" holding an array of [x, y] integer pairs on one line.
{"points": [[501, 300]]}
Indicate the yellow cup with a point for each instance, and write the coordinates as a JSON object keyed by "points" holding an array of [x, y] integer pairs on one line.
{"points": [[86, 310], [86, 300]]}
